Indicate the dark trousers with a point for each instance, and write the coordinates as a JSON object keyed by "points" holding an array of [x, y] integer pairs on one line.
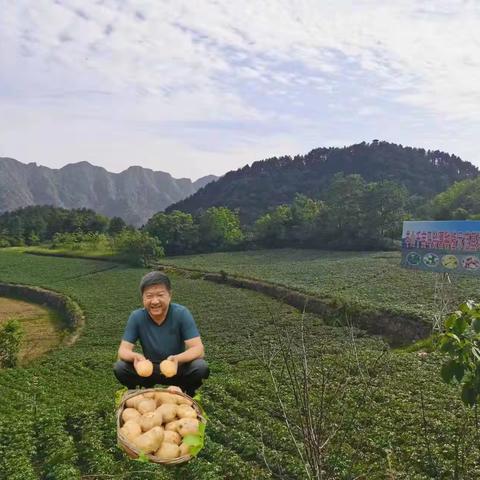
{"points": [[189, 375]]}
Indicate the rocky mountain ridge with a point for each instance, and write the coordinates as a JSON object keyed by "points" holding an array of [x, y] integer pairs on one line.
{"points": [[134, 194]]}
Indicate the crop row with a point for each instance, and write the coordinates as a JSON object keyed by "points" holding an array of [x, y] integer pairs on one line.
{"points": [[373, 279], [407, 422]]}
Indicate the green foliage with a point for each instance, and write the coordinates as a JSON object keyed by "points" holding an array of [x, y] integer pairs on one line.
{"points": [[177, 231], [36, 224], [196, 442], [116, 225], [4, 241], [385, 204], [137, 248], [119, 394], [272, 228], [460, 202], [353, 215], [55, 446], [265, 184], [11, 334], [90, 241], [219, 229], [461, 341]]}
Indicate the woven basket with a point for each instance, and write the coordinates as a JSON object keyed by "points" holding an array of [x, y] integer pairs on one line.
{"points": [[129, 448]]}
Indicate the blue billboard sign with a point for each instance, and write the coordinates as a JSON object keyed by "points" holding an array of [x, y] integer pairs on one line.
{"points": [[444, 246]]}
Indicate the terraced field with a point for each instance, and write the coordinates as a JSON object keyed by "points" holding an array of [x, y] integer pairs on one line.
{"points": [[392, 416], [42, 327], [373, 279]]}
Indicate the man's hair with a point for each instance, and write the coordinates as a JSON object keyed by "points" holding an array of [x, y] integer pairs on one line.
{"points": [[155, 278]]}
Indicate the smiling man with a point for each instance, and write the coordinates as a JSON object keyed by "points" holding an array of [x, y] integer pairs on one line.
{"points": [[165, 330]]}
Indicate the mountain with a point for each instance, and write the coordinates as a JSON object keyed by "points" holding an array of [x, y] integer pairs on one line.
{"points": [[134, 194], [268, 183]]}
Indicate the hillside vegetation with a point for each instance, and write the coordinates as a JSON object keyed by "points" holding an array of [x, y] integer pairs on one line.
{"points": [[266, 184]]}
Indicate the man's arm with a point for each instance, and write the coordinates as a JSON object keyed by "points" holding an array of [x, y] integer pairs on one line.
{"points": [[193, 349], [126, 353]]}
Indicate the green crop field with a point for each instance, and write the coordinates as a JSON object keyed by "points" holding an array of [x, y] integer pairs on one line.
{"points": [[370, 278], [390, 414]]}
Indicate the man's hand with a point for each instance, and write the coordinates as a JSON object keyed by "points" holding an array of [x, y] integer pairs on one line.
{"points": [[174, 359], [137, 358], [174, 389]]}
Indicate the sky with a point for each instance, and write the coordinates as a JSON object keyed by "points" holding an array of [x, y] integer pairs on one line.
{"points": [[200, 87]]}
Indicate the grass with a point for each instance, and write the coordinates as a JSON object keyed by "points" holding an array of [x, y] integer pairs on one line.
{"points": [[42, 327], [373, 279], [57, 413]]}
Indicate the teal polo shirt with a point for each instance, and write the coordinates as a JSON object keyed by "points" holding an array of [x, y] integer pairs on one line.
{"points": [[160, 341]]}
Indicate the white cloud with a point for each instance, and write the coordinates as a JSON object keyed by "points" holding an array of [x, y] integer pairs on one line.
{"points": [[153, 70]]}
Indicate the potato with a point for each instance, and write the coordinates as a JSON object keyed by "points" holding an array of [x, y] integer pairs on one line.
{"points": [[184, 411], [132, 402], [168, 368], [165, 397], [131, 430], [149, 394], [171, 426], [144, 368], [184, 449], [167, 450], [183, 401], [168, 411], [150, 441], [149, 420], [130, 414], [172, 437], [186, 426], [147, 405]]}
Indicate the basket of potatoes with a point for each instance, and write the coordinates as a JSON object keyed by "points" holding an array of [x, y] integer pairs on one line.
{"points": [[156, 424]]}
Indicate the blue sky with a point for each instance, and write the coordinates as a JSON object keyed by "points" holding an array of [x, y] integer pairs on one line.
{"points": [[199, 87]]}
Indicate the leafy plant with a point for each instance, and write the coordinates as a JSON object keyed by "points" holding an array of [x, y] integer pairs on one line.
{"points": [[11, 334], [461, 341]]}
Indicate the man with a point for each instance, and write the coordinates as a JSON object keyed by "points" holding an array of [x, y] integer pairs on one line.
{"points": [[166, 331]]}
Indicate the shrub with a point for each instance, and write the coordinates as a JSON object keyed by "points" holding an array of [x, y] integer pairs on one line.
{"points": [[138, 248], [461, 341], [4, 241], [10, 336]]}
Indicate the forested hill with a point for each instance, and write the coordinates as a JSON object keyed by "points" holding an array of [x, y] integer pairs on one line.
{"points": [[267, 183], [134, 194]]}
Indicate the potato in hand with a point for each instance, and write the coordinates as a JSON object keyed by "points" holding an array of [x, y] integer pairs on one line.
{"points": [[144, 368], [168, 368]]}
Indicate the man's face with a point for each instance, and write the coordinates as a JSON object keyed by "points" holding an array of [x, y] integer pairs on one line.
{"points": [[156, 299]]}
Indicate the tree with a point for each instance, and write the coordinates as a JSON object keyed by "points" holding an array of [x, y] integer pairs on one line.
{"points": [[460, 201], [116, 225], [384, 204], [343, 223], [272, 229], [138, 248], [176, 230], [305, 213], [219, 229]]}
